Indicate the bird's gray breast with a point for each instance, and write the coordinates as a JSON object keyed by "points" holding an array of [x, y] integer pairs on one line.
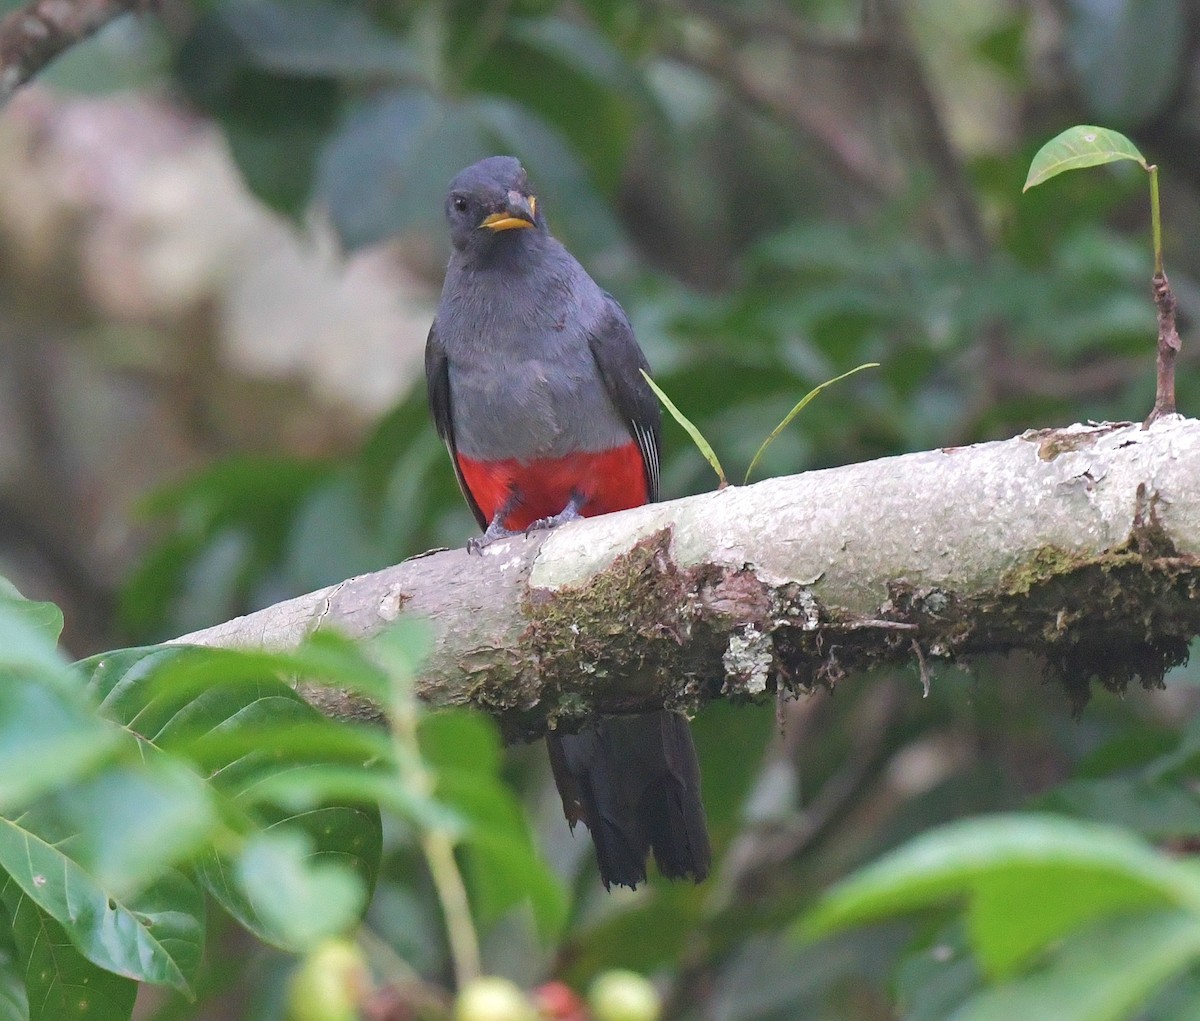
{"points": [[523, 381]]}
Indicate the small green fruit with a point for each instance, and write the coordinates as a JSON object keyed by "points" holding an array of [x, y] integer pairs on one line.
{"points": [[492, 999], [624, 996], [329, 984]]}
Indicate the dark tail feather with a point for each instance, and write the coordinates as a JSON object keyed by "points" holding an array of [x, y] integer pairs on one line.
{"points": [[635, 783]]}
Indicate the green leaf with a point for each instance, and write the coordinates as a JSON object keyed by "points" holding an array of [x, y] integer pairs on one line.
{"points": [[46, 739], [241, 509], [46, 617], [579, 47], [60, 984], [153, 934], [803, 403], [299, 901], [936, 976], [1081, 146], [315, 38], [1073, 871], [1158, 811], [29, 637], [504, 866], [122, 827], [230, 714], [275, 123], [156, 936], [293, 738], [385, 169], [697, 437], [504, 870], [305, 788], [400, 649], [461, 739], [349, 839], [14, 958], [1179, 1001], [173, 694], [1126, 74], [1103, 974], [1066, 897]]}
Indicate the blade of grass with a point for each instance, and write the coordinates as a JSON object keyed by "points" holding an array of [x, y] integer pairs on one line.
{"points": [[797, 409], [697, 437]]}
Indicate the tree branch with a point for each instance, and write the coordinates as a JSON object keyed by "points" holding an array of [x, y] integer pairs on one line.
{"points": [[33, 35], [1080, 544]]}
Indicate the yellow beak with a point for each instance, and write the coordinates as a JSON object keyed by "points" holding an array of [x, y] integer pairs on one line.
{"points": [[519, 214]]}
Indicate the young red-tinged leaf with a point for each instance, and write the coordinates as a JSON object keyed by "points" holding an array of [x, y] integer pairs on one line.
{"points": [[1081, 146]]}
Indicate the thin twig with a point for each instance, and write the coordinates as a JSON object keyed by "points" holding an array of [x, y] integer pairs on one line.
{"points": [[761, 851], [1169, 345], [908, 84], [841, 147], [744, 24], [33, 35], [923, 666]]}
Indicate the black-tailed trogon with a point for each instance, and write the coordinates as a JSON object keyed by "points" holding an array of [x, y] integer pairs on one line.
{"points": [[535, 386]]}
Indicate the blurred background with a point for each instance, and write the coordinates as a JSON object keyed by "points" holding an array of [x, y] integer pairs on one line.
{"points": [[221, 246]]}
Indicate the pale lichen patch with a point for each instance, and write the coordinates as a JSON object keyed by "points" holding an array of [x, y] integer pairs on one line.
{"points": [[749, 659]]}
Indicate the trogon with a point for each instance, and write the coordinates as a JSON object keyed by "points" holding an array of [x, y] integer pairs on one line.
{"points": [[535, 386]]}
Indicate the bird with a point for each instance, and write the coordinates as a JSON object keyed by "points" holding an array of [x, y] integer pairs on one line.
{"points": [[535, 386]]}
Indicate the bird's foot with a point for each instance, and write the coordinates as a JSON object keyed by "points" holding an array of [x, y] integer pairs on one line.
{"points": [[495, 531], [569, 513]]}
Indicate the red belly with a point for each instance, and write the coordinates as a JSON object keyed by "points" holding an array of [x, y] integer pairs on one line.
{"points": [[607, 480]]}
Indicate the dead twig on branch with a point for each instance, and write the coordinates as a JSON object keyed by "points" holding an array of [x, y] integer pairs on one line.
{"points": [[1169, 346]]}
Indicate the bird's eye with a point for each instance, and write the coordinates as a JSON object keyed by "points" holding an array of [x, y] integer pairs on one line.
{"points": [[460, 204]]}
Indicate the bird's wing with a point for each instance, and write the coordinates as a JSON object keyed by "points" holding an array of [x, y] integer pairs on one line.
{"points": [[437, 380], [621, 362]]}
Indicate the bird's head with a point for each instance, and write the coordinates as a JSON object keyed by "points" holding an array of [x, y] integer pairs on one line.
{"points": [[488, 202]]}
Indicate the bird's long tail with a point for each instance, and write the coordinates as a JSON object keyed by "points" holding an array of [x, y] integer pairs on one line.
{"points": [[635, 783]]}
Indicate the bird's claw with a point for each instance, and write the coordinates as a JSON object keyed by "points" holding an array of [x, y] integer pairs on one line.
{"points": [[494, 533], [569, 513]]}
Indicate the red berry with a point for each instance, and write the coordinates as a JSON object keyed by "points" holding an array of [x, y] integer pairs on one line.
{"points": [[557, 1001]]}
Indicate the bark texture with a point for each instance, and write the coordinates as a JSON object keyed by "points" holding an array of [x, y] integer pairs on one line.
{"points": [[1081, 545], [33, 35]]}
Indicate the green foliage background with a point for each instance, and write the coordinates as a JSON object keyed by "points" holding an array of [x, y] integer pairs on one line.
{"points": [[777, 192]]}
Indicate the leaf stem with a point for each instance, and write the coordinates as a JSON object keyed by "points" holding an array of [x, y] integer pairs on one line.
{"points": [[437, 846], [1155, 220], [452, 892]]}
